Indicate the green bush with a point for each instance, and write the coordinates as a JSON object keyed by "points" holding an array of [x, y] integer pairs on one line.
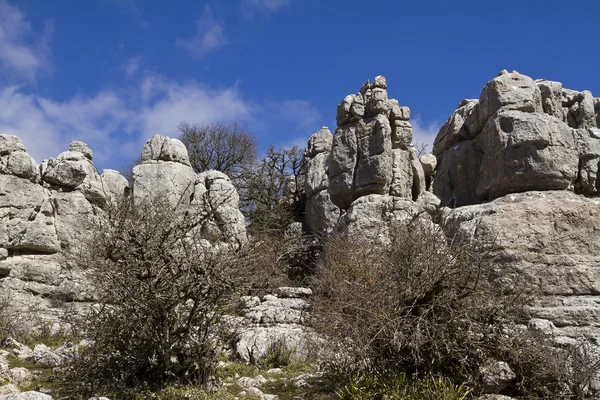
{"points": [[397, 386]]}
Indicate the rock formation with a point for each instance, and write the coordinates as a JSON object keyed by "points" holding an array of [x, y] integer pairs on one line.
{"points": [[369, 164], [521, 135], [530, 148], [46, 211]]}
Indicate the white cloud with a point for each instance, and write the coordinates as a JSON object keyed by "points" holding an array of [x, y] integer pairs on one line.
{"points": [[424, 133], [251, 8], [209, 35], [23, 53], [115, 124]]}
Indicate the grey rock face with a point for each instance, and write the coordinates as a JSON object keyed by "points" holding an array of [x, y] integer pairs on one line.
{"points": [[14, 159], [548, 239], [26, 396], [321, 214], [217, 201], [47, 212], [163, 148], [114, 185], [509, 91], [82, 148], [275, 321], [371, 153], [520, 135], [525, 151]]}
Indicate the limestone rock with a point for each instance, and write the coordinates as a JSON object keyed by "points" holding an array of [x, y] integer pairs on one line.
{"points": [[454, 129], [545, 238], [525, 151], [173, 180], [27, 216], [495, 376], [26, 396], [321, 215], [114, 185], [14, 159], [294, 292], [552, 98], [163, 148], [319, 142], [215, 197], [360, 161], [372, 215], [10, 144], [19, 376], [428, 163], [46, 357], [82, 148], [520, 135], [509, 91]]}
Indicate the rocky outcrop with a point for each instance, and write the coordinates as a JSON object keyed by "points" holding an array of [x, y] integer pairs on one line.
{"points": [[520, 135], [46, 212], [371, 150], [547, 238], [275, 320], [321, 215], [368, 168]]}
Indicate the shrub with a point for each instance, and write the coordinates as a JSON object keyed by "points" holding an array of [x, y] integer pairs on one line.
{"points": [[423, 304], [162, 292]]}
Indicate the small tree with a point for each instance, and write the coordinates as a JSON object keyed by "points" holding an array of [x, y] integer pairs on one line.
{"points": [[162, 292], [272, 189], [225, 148]]}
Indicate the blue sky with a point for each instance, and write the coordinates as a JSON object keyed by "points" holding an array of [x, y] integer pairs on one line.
{"points": [[114, 72]]}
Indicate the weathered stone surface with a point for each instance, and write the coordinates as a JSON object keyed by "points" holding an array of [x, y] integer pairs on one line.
{"points": [[43, 222], [552, 98], [27, 216], [360, 161], [454, 129], [402, 174], [114, 185], [509, 91], [525, 151], [547, 237], [163, 148], [319, 142], [275, 321], [46, 357], [520, 135], [26, 396], [372, 215], [495, 376], [82, 148], [216, 201], [173, 180], [457, 174], [321, 215]]}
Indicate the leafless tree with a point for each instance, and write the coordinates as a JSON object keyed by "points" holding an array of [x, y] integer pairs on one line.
{"points": [[162, 292], [272, 188], [225, 148]]}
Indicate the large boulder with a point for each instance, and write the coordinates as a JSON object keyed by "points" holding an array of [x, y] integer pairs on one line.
{"points": [[547, 238], [216, 203], [164, 171], [14, 159], [163, 148], [520, 135], [525, 151]]}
